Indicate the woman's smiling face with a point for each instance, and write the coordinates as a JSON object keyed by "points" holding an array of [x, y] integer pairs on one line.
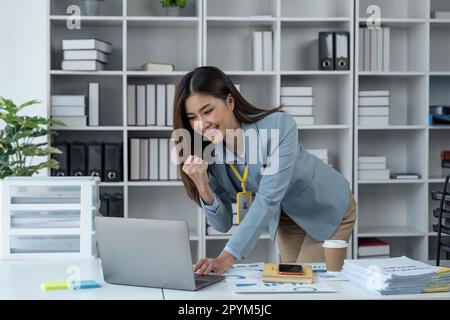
{"points": [[210, 116]]}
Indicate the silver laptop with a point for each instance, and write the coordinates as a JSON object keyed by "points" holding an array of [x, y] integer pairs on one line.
{"points": [[148, 253]]}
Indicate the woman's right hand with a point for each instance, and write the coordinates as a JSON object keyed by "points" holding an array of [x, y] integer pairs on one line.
{"points": [[197, 169]]}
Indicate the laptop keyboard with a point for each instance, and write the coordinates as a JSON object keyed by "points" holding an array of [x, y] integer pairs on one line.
{"points": [[201, 280]]}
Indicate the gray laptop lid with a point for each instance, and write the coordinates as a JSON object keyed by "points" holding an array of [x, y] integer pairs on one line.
{"points": [[144, 252]]}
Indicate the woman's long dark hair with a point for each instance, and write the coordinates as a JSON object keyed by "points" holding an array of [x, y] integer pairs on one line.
{"points": [[211, 81]]}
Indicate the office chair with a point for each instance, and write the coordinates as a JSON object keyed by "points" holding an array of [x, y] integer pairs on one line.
{"points": [[443, 212]]}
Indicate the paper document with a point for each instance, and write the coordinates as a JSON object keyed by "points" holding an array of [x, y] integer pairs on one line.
{"points": [[247, 278]]}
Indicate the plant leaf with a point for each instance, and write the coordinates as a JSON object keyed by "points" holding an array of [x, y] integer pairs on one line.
{"points": [[28, 103]]}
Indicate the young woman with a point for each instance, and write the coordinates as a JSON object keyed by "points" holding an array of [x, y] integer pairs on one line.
{"points": [[303, 202]]}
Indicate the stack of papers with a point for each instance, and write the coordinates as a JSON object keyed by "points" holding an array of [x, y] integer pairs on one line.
{"points": [[400, 275]]}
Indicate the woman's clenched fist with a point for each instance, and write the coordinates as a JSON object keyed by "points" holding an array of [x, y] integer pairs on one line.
{"points": [[197, 169]]}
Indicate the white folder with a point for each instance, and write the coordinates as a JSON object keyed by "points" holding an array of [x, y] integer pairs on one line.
{"points": [[143, 161], [151, 105], [163, 159], [134, 159], [161, 104], [140, 117], [153, 158], [94, 104], [170, 89]]}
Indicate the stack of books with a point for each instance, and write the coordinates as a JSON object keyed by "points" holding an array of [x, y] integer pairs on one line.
{"points": [[150, 104], [69, 109], [445, 162], [373, 108], [400, 275], [262, 50], [299, 102], [85, 54], [271, 275], [158, 67], [372, 168], [153, 159], [374, 49], [405, 175], [440, 14], [322, 154], [72, 109], [372, 248]]}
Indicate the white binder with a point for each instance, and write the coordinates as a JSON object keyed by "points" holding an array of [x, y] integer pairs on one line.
{"points": [[151, 105], [143, 161], [131, 105], [153, 158], [163, 159], [161, 104], [94, 103], [134, 159], [140, 117]]}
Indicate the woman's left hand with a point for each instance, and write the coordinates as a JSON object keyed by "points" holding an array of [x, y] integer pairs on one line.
{"points": [[217, 265]]}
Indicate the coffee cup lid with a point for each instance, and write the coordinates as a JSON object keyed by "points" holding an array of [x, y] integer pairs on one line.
{"points": [[335, 244]]}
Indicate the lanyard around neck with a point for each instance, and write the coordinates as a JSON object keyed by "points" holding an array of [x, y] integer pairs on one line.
{"points": [[242, 179]]}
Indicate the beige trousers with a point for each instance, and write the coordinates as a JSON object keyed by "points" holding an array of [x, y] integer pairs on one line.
{"points": [[296, 246]]}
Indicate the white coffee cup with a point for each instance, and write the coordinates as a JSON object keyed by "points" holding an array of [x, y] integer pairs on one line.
{"points": [[335, 252], [335, 244]]}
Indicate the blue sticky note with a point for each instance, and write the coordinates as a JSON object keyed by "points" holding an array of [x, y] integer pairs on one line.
{"points": [[85, 284]]}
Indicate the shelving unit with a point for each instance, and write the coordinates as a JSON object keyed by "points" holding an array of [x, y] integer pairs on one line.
{"points": [[439, 136], [211, 32], [216, 32], [404, 216], [131, 26]]}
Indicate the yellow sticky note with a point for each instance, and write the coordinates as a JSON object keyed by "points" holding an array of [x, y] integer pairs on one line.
{"points": [[55, 285]]}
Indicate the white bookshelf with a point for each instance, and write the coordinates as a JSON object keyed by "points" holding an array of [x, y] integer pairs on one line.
{"points": [[400, 212], [211, 32], [216, 32], [439, 136]]}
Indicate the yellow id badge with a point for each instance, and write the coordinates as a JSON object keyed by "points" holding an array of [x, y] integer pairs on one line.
{"points": [[243, 202]]}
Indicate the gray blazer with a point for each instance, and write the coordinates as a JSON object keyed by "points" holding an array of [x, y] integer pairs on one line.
{"points": [[310, 192]]}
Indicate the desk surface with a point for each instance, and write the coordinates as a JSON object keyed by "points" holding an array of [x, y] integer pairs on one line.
{"points": [[21, 279], [344, 291]]}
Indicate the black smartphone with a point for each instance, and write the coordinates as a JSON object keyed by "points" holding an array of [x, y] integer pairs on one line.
{"points": [[290, 269]]}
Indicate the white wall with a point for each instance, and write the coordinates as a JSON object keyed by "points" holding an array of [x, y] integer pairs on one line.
{"points": [[24, 53]]}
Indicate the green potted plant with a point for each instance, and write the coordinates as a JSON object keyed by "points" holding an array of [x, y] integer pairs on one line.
{"points": [[173, 7], [17, 140]]}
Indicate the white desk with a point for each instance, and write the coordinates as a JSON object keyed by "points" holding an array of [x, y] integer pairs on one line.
{"points": [[345, 291], [21, 279]]}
